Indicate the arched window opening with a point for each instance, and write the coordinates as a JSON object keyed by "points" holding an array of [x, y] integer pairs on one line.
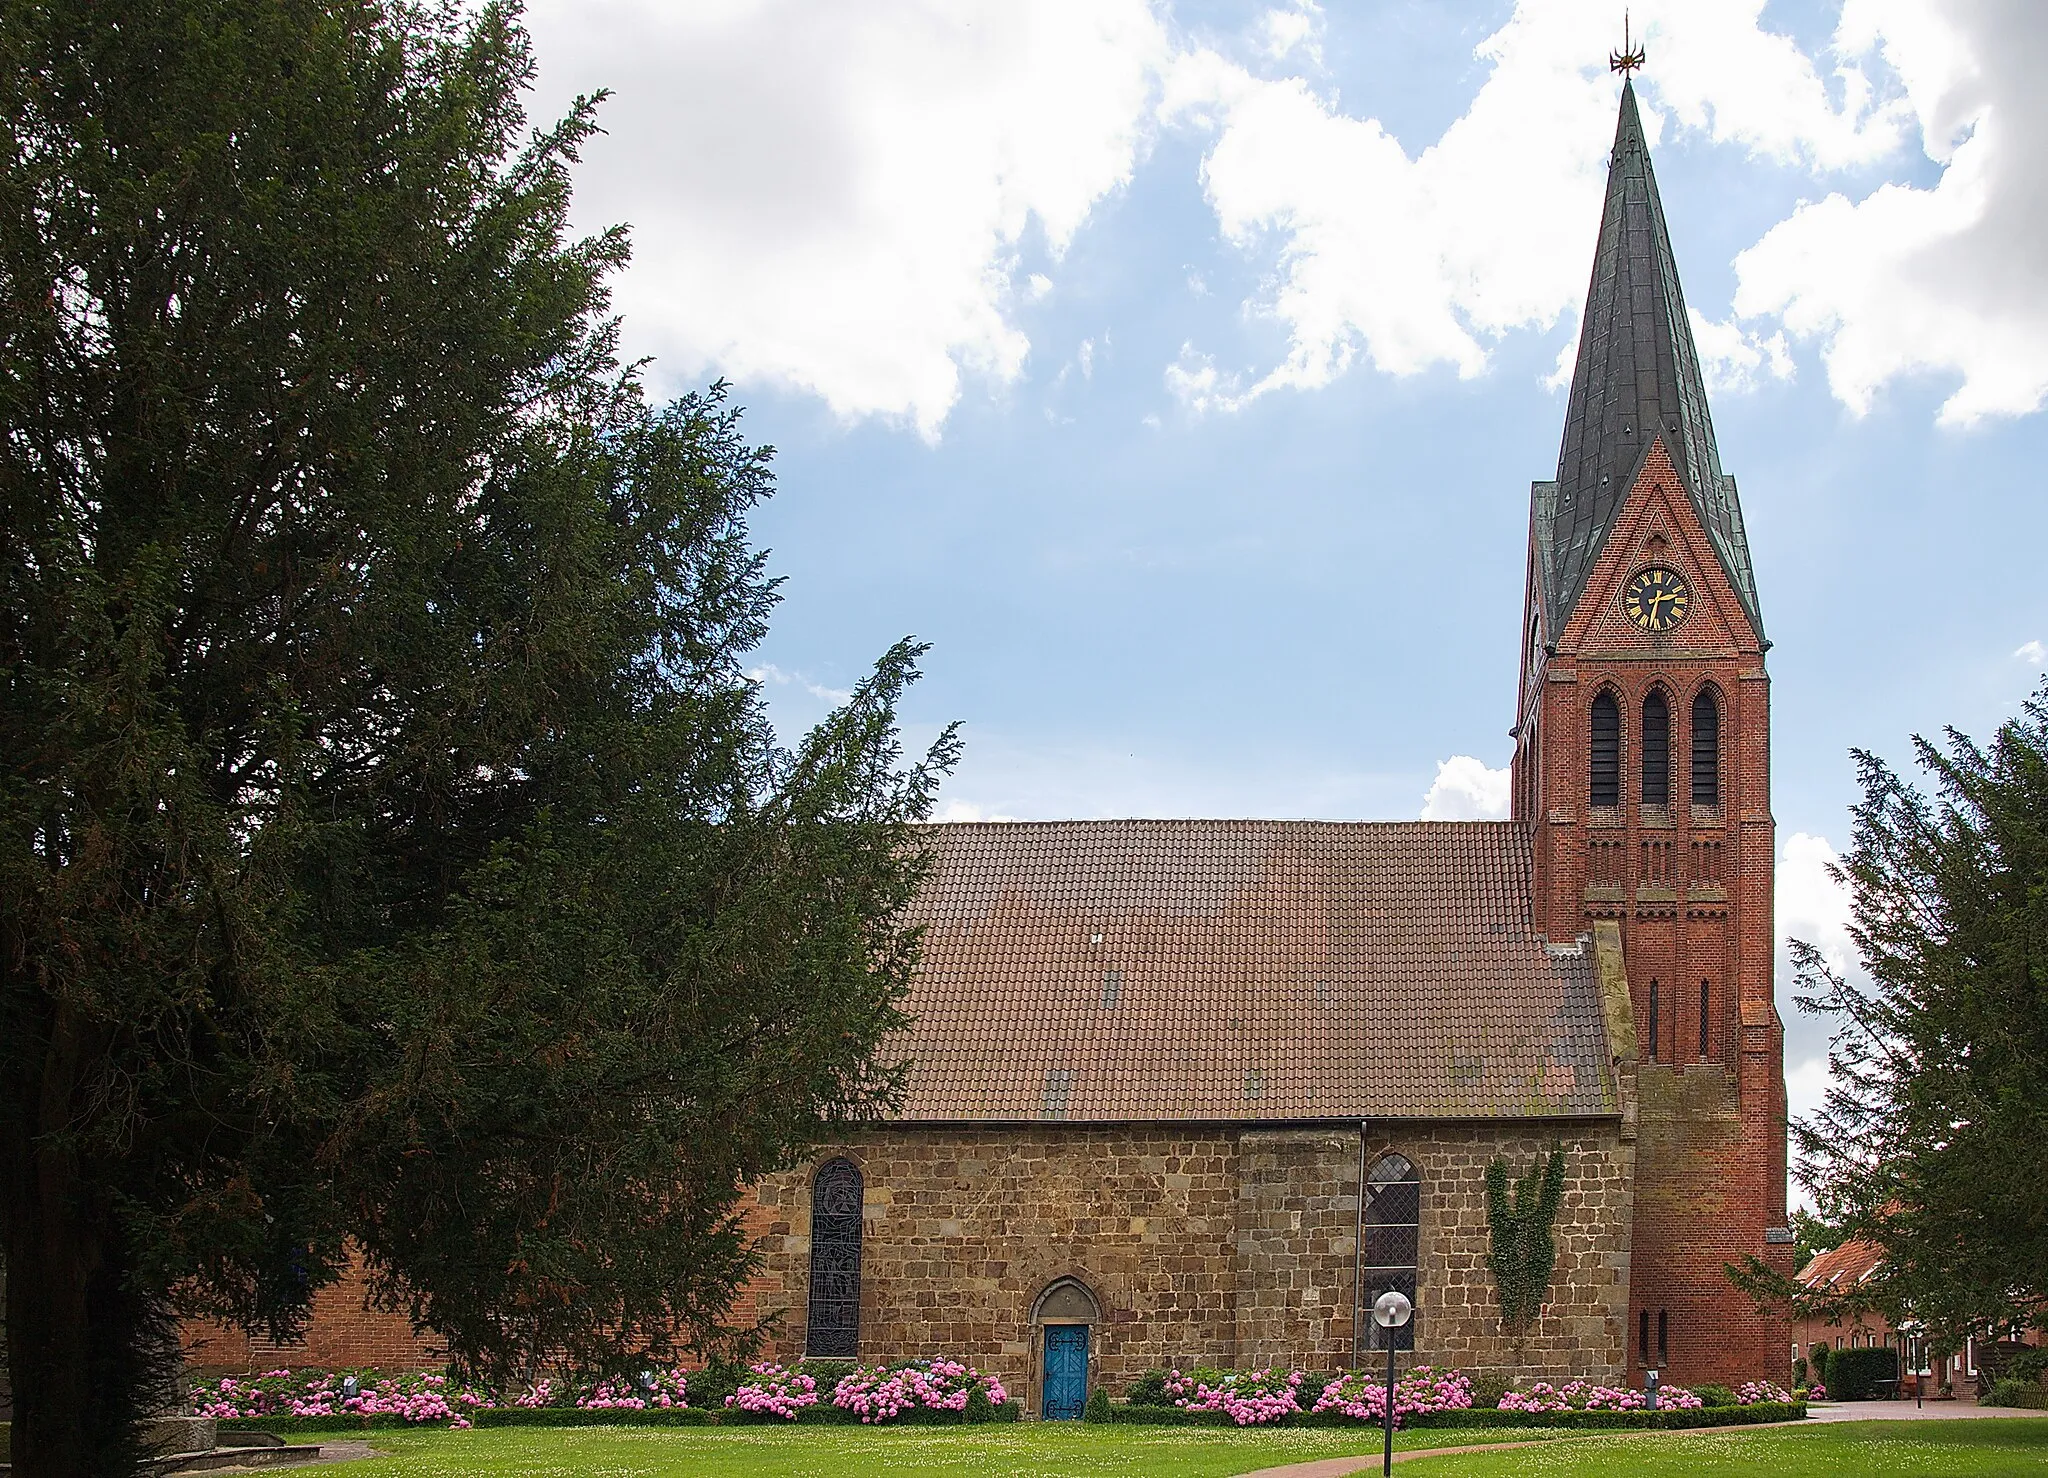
{"points": [[1393, 1229], [1654, 1003], [1656, 748], [1705, 1002], [1605, 766], [833, 1326], [1706, 750]]}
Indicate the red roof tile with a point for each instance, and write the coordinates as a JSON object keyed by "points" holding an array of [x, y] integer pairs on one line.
{"points": [[1147, 971]]}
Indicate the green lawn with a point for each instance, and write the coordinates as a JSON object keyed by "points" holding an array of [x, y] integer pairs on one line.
{"points": [[1938, 1449], [1991, 1448], [1027, 1449]]}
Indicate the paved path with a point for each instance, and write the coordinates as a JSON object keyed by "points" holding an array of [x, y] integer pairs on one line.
{"points": [[1844, 1411]]}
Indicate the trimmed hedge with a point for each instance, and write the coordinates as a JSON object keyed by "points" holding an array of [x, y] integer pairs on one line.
{"points": [[1665, 1419], [1855, 1374]]}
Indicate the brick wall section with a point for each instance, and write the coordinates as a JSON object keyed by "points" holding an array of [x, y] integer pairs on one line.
{"points": [[342, 1332], [1691, 892], [1227, 1246]]}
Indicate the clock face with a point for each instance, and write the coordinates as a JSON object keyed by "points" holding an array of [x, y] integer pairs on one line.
{"points": [[1656, 599]]}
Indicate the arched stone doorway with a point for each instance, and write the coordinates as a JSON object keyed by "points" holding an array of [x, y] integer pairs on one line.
{"points": [[1063, 1324]]}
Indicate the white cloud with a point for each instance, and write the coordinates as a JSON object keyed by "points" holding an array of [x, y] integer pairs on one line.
{"points": [[1734, 359], [966, 811], [768, 673], [1947, 279], [1199, 386], [1291, 28], [1037, 285], [1466, 790], [1418, 260], [2033, 654], [834, 197], [1812, 905]]}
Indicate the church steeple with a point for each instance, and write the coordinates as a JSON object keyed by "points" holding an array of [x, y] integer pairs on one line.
{"points": [[1637, 379]]}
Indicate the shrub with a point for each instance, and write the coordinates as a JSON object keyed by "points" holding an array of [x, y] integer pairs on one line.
{"points": [[878, 1393], [1148, 1389], [1250, 1398], [2007, 1391], [1581, 1395], [1714, 1395], [1097, 1409], [1820, 1363], [1856, 1374], [1749, 1393], [1799, 1370], [1363, 1397], [770, 1390], [2028, 1366]]}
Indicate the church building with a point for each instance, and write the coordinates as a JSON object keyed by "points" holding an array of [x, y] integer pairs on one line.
{"points": [[1198, 1091]]}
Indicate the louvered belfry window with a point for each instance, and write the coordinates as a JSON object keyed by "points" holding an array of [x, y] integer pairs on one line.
{"points": [[1393, 1230], [833, 1326], [1656, 751], [1606, 751], [1706, 750]]}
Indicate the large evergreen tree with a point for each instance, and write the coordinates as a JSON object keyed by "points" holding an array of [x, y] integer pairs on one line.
{"points": [[391, 846], [1933, 1141]]}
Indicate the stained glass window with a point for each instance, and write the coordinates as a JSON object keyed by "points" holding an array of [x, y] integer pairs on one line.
{"points": [[834, 1321], [1393, 1228]]}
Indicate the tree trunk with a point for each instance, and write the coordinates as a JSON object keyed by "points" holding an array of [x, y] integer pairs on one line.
{"points": [[51, 1258], [70, 1326]]}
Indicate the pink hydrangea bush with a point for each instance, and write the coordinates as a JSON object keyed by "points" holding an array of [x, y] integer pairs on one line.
{"points": [[1251, 1398], [1818, 1391], [1749, 1393], [1582, 1395], [876, 1393], [281, 1392], [651, 1390], [1363, 1396], [775, 1391]]}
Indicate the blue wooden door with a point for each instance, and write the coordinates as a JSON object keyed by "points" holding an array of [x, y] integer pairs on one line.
{"points": [[1066, 1371]]}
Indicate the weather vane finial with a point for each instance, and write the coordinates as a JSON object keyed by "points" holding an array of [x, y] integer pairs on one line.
{"points": [[1630, 56]]}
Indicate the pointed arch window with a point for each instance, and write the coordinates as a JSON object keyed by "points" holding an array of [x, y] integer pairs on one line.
{"points": [[833, 1323], [1656, 748], [1706, 749], [1393, 1230], [1604, 764]]}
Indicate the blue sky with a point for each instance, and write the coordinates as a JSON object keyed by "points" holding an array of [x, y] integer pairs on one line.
{"points": [[1179, 372]]}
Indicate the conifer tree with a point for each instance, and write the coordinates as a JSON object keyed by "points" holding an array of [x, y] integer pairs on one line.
{"points": [[1933, 1141], [392, 847]]}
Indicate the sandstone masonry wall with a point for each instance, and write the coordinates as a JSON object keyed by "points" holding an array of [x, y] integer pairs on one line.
{"points": [[1228, 1246]]}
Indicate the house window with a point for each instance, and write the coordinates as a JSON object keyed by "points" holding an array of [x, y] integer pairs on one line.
{"points": [[1606, 751], [1656, 751], [1705, 1000], [833, 1326], [1393, 1229], [1706, 750]]}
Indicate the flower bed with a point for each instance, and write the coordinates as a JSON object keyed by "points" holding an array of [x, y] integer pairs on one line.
{"points": [[411, 1399], [880, 1393], [938, 1390], [1427, 1397], [1581, 1395], [1423, 1390]]}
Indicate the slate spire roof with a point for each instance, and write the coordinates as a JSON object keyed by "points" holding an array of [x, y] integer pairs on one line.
{"points": [[1637, 378]]}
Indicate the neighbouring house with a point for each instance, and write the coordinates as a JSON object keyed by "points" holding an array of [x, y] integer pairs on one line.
{"points": [[1836, 1273]]}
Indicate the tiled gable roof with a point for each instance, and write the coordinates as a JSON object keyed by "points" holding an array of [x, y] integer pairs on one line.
{"points": [[1149, 971]]}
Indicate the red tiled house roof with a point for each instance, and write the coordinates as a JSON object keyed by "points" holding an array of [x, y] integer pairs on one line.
{"points": [[1214, 971]]}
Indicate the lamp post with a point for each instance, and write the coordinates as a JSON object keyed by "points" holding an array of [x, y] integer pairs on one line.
{"points": [[1390, 1311]]}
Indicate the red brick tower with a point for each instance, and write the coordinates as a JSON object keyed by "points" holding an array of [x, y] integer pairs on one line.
{"points": [[1642, 760]]}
